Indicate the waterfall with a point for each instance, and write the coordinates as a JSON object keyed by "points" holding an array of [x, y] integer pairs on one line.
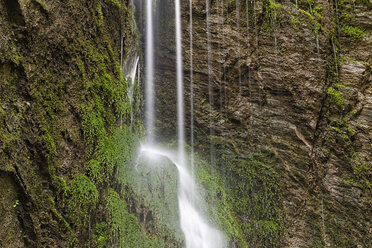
{"points": [[149, 91], [180, 103], [129, 69], [198, 232]]}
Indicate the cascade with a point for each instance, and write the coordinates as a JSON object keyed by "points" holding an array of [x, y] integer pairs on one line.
{"points": [[198, 232], [132, 80], [180, 103], [149, 90], [132, 76]]}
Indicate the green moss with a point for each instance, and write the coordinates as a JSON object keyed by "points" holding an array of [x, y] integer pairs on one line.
{"points": [[247, 196], [336, 97], [84, 196], [126, 231], [353, 32], [271, 6], [362, 171], [116, 3], [101, 236], [100, 16], [311, 16]]}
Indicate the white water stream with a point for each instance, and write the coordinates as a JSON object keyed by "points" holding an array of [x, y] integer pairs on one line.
{"points": [[149, 91], [198, 232]]}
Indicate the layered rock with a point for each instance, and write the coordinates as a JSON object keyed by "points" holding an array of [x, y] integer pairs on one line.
{"points": [[292, 78]]}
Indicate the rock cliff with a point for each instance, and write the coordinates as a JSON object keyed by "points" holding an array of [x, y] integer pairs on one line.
{"points": [[282, 102]]}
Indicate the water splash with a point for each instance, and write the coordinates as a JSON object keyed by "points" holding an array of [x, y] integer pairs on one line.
{"points": [[198, 232]]}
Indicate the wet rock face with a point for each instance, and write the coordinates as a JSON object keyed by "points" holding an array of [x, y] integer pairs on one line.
{"points": [[51, 52], [292, 77]]}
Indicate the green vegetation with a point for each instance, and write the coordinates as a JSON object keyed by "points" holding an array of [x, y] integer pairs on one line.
{"points": [[101, 237], [362, 171], [346, 15], [336, 97], [116, 3], [354, 32], [245, 198], [84, 196], [125, 226], [271, 6], [309, 14], [271, 10]]}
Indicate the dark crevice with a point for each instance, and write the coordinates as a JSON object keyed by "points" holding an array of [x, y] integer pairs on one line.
{"points": [[14, 12]]}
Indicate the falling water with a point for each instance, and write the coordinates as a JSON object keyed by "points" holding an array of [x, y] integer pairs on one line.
{"points": [[130, 69], [180, 103], [149, 103], [191, 93], [132, 78], [210, 86], [198, 232]]}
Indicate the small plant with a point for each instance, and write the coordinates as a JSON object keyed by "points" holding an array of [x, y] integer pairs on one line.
{"points": [[336, 97], [353, 32]]}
